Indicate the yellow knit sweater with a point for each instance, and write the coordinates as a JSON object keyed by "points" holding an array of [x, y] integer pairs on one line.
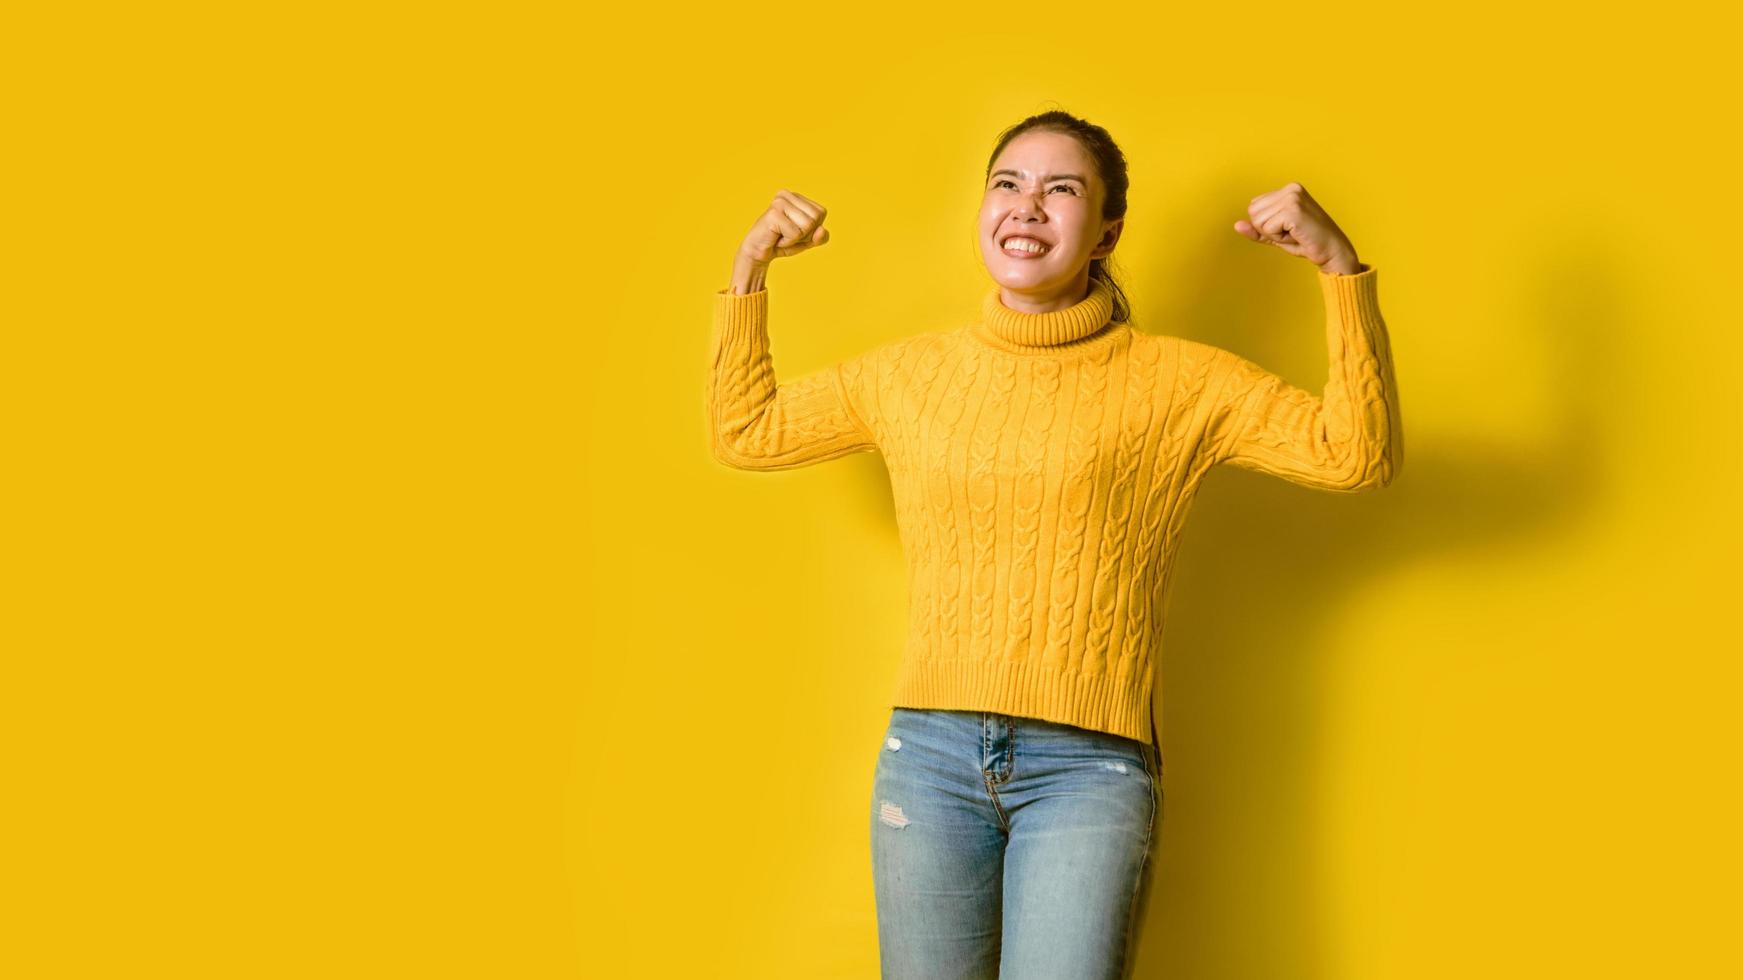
{"points": [[1042, 466]]}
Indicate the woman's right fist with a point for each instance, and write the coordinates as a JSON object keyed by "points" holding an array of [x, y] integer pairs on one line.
{"points": [[792, 224]]}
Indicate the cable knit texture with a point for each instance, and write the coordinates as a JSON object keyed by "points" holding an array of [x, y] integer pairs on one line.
{"points": [[1042, 466]]}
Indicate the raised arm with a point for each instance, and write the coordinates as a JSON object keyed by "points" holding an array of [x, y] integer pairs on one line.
{"points": [[756, 422], [1347, 440]]}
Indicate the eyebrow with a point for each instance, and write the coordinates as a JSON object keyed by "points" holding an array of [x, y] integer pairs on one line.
{"points": [[1049, 177]]}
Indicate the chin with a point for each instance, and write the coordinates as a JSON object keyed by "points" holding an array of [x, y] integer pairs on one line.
{"points": [[1028, 270]]}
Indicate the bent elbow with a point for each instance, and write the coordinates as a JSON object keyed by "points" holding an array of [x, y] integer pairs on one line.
{"points": [[1362, 472], [721, 448], [1391, 454], [1380, 472], [1389, 467], [1378, 456]]}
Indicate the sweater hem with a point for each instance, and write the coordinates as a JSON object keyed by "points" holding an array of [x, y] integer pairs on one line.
{"points": [[1114, 703]]}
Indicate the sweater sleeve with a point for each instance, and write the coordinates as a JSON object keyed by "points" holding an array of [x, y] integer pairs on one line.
{"points": [[758, 423], [1346, 441]]}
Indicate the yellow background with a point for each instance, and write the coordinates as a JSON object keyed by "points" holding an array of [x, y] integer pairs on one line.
{"points": [[372, 607]]}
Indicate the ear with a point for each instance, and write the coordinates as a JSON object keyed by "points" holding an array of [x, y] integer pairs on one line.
{"points": [[1110, 236]]}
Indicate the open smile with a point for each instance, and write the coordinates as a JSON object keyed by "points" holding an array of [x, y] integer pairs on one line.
{"points": [[1024, 247]]}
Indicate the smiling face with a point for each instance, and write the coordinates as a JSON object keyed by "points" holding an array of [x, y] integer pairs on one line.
{"points": [[1040, 221]]}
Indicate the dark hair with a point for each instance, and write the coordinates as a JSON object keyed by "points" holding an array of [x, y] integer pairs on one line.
{"points": [[1110, 165]]}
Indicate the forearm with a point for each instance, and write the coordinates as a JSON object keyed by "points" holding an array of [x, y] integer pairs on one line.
{"points": [[1344, 263], [1360, 408], [748, 275]]}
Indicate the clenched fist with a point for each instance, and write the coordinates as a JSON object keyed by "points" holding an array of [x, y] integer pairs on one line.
{"points": [[1292, 220], [792, 224]]}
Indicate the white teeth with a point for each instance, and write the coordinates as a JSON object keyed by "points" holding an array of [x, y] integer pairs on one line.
{"points": [[1025, 245]]}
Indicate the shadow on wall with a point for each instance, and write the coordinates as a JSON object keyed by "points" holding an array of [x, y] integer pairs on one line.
{"points": [[1265, 564]]}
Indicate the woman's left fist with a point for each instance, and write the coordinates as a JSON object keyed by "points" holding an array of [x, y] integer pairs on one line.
{"points": [[1292, 220]]}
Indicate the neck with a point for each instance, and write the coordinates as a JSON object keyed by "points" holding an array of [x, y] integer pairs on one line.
{"points": [[1040, 331]]}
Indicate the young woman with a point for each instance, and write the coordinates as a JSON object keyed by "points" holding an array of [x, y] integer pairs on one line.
{"points": [[1043, 458]]}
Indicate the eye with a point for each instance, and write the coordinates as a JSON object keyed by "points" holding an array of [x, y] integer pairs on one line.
{"points": [[1066, 187]]}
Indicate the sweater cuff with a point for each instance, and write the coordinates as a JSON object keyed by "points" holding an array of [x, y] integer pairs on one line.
{"points": [[1353, 297], [740, 318]]}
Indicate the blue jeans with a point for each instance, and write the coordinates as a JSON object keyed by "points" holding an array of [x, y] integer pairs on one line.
{"points": [[1010, 847]]}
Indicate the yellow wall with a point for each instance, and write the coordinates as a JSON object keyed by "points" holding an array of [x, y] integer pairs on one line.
{"points": [[374, 609]]}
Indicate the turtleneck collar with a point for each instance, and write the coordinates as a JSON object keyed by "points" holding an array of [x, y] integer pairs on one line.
{"points": [[1014, 329]]}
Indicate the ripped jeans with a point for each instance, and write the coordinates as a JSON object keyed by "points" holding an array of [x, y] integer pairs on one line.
{"points": [[1009, 847]]}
